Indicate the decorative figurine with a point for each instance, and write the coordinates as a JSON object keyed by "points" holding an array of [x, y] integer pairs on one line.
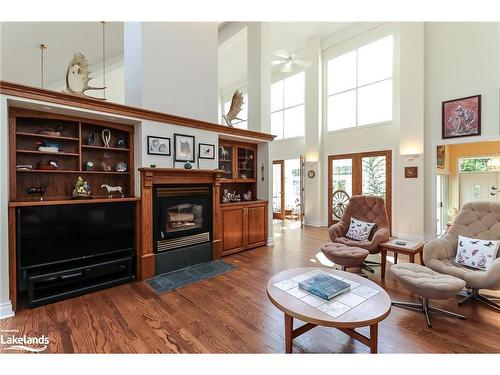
{"points": [[82, 189], [106, 163], [188, 165], [50, 166], [112, 189], [121, 166], [56, 133], [227, 196], [49, 146], [121, 142], [78, 76], [247, 196], [89, 165], [40, 190], [236, 104], [106, 137], [91, 139], [152, 165]]}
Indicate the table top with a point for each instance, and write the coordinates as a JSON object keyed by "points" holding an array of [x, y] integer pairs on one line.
{"points": [[369, 312], [412, 246]]}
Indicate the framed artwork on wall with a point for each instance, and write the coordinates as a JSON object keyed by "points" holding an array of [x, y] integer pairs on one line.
{"points": [[411, 172], [461, 117], [441, 156], [184, 147], [206, 151], [158, 145]]}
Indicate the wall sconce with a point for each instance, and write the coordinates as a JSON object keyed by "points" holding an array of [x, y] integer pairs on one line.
{"points": [[412, 157]]}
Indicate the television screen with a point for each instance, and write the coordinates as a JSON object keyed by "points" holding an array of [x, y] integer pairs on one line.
{"points": [[49, 234]]}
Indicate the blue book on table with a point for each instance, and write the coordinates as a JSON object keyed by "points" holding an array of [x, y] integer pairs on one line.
{"points": [[324, 286]]}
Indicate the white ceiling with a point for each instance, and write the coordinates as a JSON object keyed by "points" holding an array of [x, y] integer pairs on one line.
{"points": [[20, 52], [283, 35]]}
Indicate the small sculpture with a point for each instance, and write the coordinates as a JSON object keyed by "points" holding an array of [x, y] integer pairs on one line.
{"points": [[188, 165], [121, 143], [57, 133], [91, 139], [49, 146], [82, 189], [121, 166], [228, 197], [78, 76], [247, 196], [235, 109], [36, 190], [106, 163], [223, 153], [112, 189], [89, 165], [106, 137], [50, 166]]}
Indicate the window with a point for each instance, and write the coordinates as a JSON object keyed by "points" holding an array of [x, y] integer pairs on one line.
{"points": [[360, 86], [243, 115], [287, 107]]}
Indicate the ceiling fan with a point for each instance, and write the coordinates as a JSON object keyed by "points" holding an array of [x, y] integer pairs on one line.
{"points": [[290, 61]]}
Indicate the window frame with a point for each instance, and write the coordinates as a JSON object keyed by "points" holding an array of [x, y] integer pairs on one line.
{"points": [[349, 46], [281, 77]]}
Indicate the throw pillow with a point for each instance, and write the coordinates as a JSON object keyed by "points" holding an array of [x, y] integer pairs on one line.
{"points": [[359, 230], [475, 253]]}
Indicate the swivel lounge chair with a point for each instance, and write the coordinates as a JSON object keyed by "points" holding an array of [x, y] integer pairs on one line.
{"points": [[475, 220], [366, 208]]}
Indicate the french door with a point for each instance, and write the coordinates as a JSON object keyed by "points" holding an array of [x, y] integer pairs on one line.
{"points": [[366, 173], [279, 189]]}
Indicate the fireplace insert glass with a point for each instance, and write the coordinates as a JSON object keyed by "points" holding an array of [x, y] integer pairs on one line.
{"points": [[182, 215]]}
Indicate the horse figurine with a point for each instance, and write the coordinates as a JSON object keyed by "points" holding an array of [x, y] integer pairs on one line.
{"points": [[112, 189]]}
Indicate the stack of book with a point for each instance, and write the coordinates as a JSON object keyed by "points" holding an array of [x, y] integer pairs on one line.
{"points": [[324, 286]]}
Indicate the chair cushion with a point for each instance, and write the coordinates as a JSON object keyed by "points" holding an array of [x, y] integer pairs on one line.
{"points": [[476, 253], [348, 256], [426, 282], [473, 278], [359, 230]]}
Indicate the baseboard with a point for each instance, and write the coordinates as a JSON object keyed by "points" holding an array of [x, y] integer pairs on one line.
{"points": [[315, 224], [410, 236], [6, 310], [270, 241]]}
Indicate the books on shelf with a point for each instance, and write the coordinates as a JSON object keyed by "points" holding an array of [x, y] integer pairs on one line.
{"points": [[324, 286]]}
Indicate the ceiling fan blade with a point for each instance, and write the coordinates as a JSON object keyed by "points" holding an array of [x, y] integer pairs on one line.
{"points": [[282, 53], [303, 63], [287, 67], [278, 62]]}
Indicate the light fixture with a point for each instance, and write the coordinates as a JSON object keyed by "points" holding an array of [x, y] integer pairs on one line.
{"points": [[42, 47], [411, 157], [493, 164]]}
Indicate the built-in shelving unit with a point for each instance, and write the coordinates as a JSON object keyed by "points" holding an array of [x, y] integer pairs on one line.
{"points": [[26, 135]]}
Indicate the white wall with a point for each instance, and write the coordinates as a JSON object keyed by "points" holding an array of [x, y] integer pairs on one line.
{"points": [[461, 59]]}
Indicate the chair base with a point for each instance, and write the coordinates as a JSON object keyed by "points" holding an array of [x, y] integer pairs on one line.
{"points": [[475, 296], [368, 264], [424, 307], [360, 273]]}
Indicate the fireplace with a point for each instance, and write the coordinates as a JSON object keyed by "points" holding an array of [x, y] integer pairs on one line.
{"points": [[182, 216]]}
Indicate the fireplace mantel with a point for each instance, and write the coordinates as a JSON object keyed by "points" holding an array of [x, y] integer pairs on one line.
{"points": [[157, 176]]}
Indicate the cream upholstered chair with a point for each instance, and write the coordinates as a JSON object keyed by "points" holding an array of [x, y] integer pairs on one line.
{"points": [[476, 220], [367, 208]]}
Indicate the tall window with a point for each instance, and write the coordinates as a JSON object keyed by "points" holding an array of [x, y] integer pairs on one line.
{"points": [[287, 107], [243, 115], [360, 87]]}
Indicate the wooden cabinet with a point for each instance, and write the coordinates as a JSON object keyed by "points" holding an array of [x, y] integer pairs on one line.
{"points": [[238, 161], [244, 226]]}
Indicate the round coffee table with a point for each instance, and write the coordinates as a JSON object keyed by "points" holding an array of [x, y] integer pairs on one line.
{"points": [[367, 313]]}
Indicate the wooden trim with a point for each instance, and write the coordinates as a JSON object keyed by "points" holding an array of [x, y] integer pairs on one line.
{"points": [[28, 92], [72, 201], [12, 258], [357, 188], [281, 215]]}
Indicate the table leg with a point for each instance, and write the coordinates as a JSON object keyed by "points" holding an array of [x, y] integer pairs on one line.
{"points": [[412, 258], [288, 333], [383, 264], [395, 257], [373, 338], [422, 257]]}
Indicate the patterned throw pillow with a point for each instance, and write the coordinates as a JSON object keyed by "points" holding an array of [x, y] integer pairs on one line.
{"points": [[476, 253], [359, 230]]}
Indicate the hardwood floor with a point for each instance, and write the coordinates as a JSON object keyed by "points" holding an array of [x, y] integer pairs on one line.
{"points": [[232, 314]]}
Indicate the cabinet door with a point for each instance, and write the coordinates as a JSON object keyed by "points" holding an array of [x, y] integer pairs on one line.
{"points": [[233, 230], [256, 225], [246, 163]]}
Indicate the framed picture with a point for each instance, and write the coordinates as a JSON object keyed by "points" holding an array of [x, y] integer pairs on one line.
{"points": [[411, 172], [441, 157], [184, 147], [461, 117], [206, 151], [158, 145]]}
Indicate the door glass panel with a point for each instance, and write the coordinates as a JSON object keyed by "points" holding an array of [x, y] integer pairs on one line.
{"points": [[226, 161], [292, 188], [374, 176], [277, 188], [342, 175]]}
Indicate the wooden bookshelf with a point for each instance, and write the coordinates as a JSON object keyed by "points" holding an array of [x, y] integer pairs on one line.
{"points": [[25, 138]]}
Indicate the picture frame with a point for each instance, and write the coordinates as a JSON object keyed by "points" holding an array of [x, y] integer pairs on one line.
{"points": [[461, 117], [184, 148], [411, 172], [158, 145], [206, 151]]}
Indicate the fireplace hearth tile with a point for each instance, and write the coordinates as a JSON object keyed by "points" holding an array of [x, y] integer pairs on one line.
{"points": [[175, 279]]}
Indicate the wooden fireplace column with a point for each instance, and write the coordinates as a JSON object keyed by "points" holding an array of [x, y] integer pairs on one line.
{"points": [[160, 176]]}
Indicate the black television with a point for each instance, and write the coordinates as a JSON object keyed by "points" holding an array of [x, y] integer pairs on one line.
{"points": [[60, 233]]}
